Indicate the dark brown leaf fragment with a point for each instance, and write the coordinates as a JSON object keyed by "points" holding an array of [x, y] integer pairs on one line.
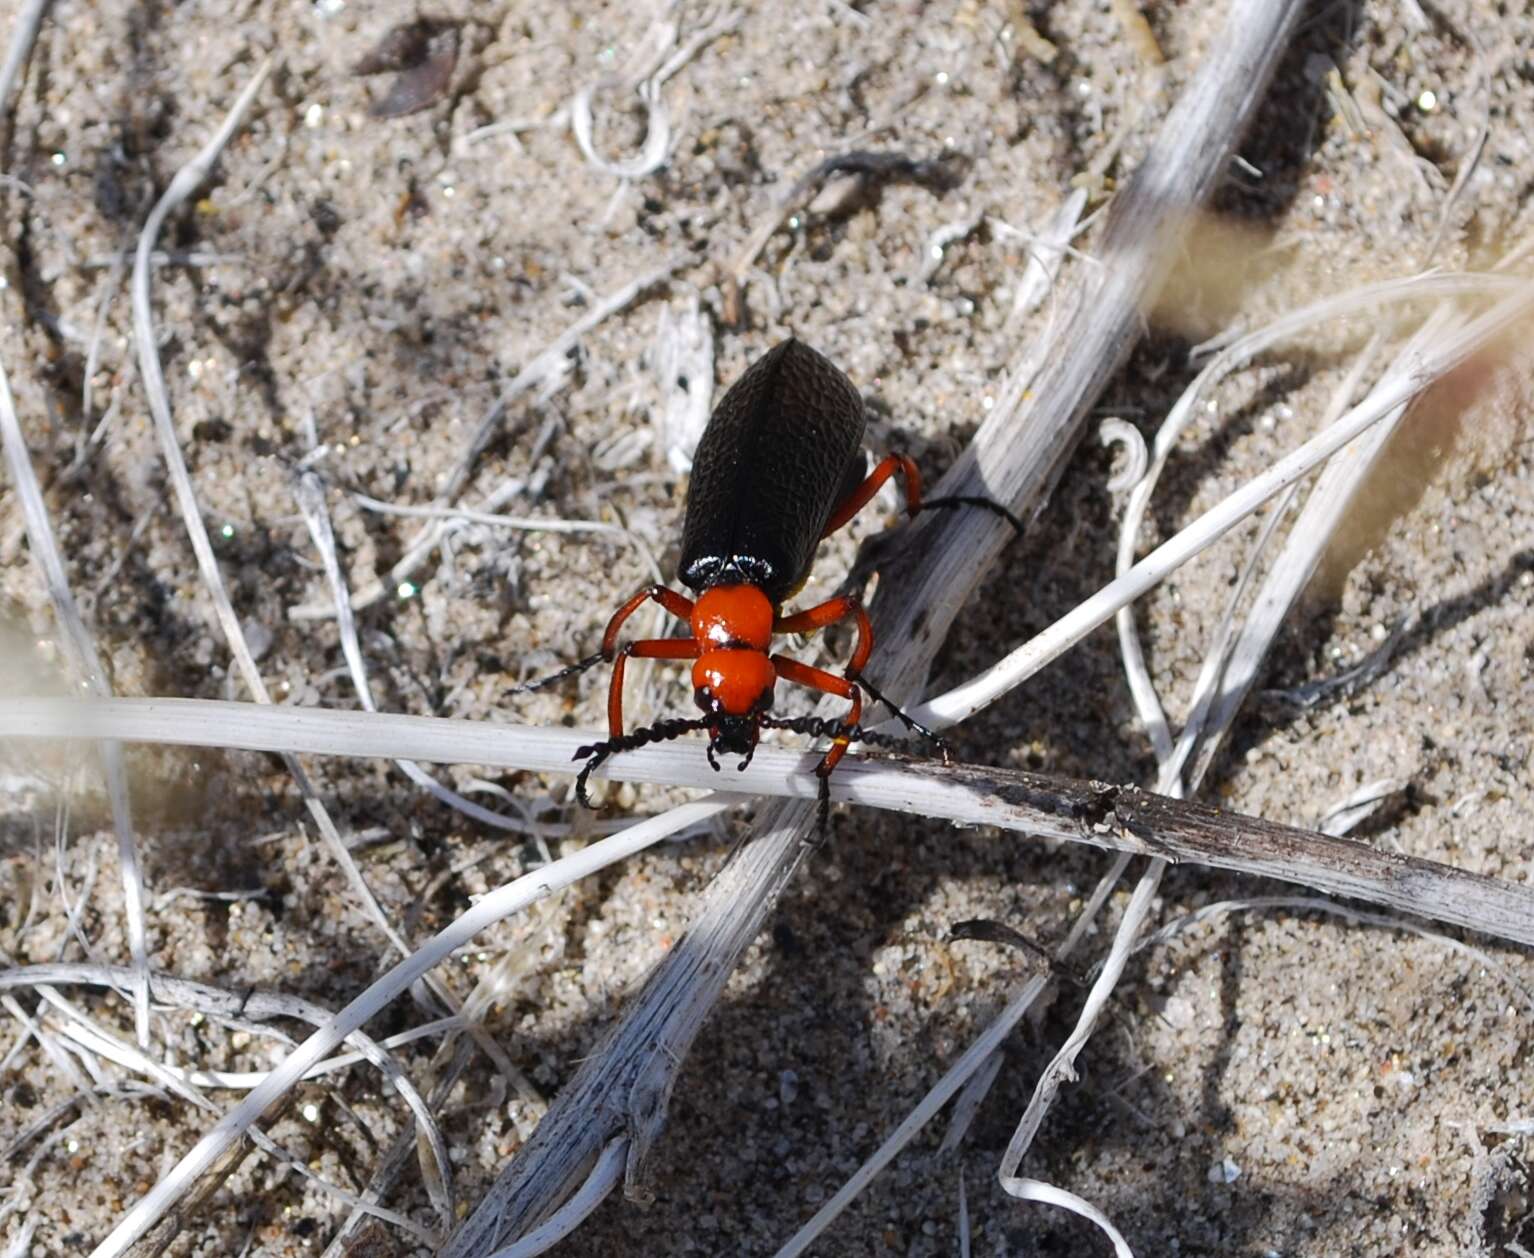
{"points": [[424, 53]]}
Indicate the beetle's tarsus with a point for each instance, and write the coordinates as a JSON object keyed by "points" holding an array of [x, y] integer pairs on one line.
{"points": [[597, 756], [969, 500]]}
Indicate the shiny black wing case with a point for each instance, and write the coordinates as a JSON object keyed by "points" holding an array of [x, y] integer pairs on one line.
{"points": [[769, 471]]}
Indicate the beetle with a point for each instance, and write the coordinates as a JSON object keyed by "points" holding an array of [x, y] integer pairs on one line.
{"points": [[779, 467]]}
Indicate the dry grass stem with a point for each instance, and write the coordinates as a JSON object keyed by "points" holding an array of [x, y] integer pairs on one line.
{"points": [[512, 898], [87, 664], [1109, 817], [1015, 458], [1419, 369]]}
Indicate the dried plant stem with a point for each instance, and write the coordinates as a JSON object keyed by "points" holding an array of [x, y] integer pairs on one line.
{"points": [[1115, 818], [17, 53], [982, 1050], [78, 639], [1324, 513], [81, 645], [218, 1002], [1421, 368], [1014, 459], [215, 1144], [1222, 685], [311, 502], [186, 182]]}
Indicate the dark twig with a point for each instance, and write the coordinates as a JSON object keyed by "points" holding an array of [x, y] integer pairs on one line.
{"points": [[987, 930]]}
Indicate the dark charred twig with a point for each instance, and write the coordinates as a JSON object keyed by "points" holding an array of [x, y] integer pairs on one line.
{"points": [[423, 54], [1310, 693], [938, 174]]}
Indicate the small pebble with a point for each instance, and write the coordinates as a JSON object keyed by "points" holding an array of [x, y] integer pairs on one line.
{"points": [[1224, 1172]]}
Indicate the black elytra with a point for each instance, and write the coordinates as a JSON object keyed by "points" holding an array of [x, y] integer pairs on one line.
{"points": [[783, 448]]}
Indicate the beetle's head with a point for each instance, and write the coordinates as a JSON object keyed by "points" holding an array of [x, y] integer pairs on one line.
{"points": [[733, 736], [733, 687]]}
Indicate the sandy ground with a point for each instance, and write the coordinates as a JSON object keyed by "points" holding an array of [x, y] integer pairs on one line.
{"points": [[1274, 1082]]}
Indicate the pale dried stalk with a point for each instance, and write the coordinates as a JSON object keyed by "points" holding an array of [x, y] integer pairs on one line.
{"points": [[1015, 459], [1420, 366], [19, 50], [1325, 511], [186, 182], [215, 1144], [215, 1001], [45, 551], [1220, 691], [81, 646], [311, 502], [984, 1050], [1114, 818]]}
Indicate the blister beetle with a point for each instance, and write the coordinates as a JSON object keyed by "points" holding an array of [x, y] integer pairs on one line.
{"points": [[779, 467]]}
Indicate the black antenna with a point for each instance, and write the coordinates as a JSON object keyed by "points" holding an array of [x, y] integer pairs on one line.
{"points": [[572, 670], [820, 727], [915, 726], [595, 753]]}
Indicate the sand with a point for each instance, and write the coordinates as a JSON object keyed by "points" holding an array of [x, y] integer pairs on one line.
{"points": [[1275, 1081]]}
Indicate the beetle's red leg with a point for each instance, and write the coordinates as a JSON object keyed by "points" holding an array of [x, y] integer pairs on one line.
{"points": [[818, 617], [673, 602], [847, 607], [828, 683], [648, 649], [914, 502], [653, 649], [859, 497], [844, 608]]}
